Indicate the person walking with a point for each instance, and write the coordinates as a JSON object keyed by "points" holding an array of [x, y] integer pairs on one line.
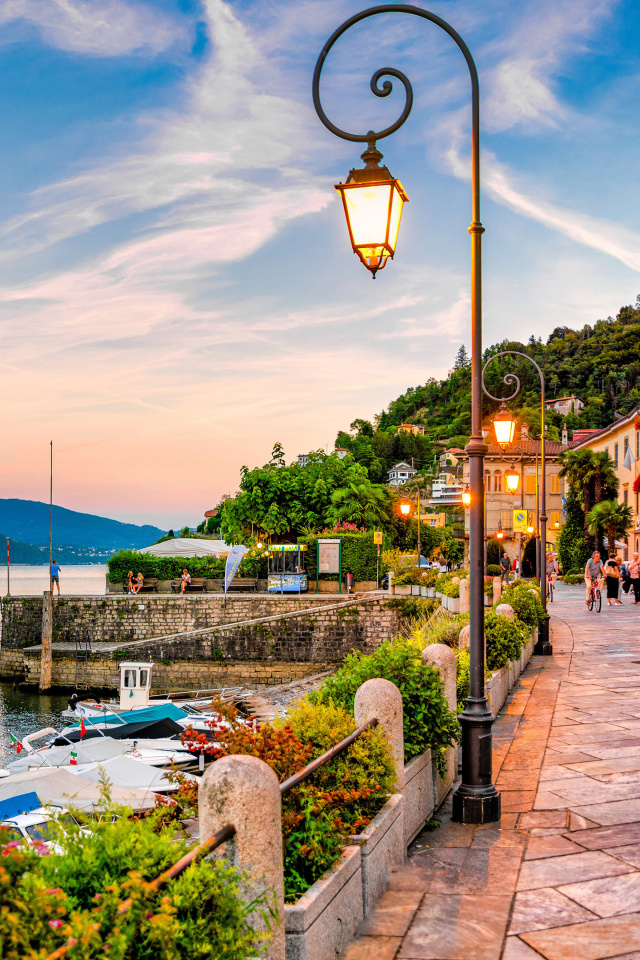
{"points": [[505, 564], [54, 575], [593, 571], [612, 571], [634, 577], [551, 569]]}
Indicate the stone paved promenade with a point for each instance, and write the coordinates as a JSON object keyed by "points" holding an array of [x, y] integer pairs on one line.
{"points": [[559, 878]]}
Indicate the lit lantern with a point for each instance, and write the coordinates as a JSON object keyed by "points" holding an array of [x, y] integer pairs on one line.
{"points": [[466, 498], [504, 426], [373, 203], [405, 509], [500, 535], [258, 545], [512, 481], [529, 529]]}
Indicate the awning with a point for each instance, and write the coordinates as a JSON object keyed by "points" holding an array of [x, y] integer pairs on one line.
{"points": [[188, 547]]}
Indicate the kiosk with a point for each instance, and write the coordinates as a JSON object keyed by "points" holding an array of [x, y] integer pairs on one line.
{"points": [[286, 568]]}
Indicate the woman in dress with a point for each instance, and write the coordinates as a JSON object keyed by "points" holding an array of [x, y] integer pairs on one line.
{"points": [[612, 571]]}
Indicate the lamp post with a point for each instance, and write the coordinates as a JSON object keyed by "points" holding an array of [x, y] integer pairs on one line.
{"points": [[373, 230], [503, 431]]}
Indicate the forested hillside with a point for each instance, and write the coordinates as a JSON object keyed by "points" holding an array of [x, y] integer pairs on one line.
{"points": [[599, 363]]}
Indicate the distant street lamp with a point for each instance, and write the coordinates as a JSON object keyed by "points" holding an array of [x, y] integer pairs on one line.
{"points": [[529, 529], [373, 203], [504, 425], [512, 481], [466, 498], [405, 509]]}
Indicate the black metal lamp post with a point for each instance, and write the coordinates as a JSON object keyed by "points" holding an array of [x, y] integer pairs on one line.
{"points": [[373, 223], [504, 429]]}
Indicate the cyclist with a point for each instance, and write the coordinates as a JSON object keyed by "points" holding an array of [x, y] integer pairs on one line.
{"points": [[593, 571], [552, 569]]}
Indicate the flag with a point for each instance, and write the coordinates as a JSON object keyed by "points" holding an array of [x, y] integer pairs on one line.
{"points": [[628, 459], [233, 562], [83, 729], [16, 743], [73, 760]]}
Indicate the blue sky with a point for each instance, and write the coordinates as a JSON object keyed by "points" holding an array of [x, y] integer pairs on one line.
{"points": [[176, 288]]}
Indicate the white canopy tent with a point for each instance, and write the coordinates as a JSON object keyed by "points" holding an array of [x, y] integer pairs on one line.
{"points": [[188, 547]]}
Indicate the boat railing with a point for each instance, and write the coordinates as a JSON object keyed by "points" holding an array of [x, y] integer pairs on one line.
{"points": [[227, 832]]}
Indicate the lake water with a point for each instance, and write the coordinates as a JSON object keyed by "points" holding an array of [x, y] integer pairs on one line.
{"points": [[85, 579], [23, 711]]}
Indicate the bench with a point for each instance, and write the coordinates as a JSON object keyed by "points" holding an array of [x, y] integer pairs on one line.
{"points": [[244, 583], [196, 585], [149, 583]]}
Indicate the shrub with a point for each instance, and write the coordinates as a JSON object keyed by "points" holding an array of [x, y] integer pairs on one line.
{"points": [[526, 605], [573, 577], [169, 568], [414, 608], [504, 640], [462, 678], [488, 586], [442, 629], [46, 900], [494, 569], [428, 722]]}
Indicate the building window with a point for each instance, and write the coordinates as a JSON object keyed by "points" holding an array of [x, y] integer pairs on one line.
{"points": [[530, 483], [625, 495], [615, 455], [506, 519], [554, 519], [555, 483], [487, 481], [497, 482], [626, 445]]}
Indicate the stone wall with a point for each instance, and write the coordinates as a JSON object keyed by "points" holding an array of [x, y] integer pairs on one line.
{"points": [[304, 637]]}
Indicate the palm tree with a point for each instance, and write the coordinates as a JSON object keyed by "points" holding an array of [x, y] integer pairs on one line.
{"points": [[613, 518], [579, 467], [605, 481], [364, 503]]}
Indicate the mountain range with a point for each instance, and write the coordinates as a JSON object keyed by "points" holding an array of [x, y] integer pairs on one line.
{"points": [[77, 537]]}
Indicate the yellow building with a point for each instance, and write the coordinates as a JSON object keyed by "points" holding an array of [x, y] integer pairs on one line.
{"points": [[500, 504], [621, 440]]}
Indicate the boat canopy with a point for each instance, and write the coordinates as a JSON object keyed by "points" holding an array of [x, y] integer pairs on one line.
{"points": [[188, 547]]}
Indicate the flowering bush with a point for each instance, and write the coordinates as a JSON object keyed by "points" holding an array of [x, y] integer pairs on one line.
{"points": [[72, 898]]}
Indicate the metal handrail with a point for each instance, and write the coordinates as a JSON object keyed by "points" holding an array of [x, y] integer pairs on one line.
{"points": [[227, 832]]}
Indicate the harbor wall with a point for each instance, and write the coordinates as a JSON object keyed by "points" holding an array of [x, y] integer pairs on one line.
{"points": [[303, 636]]}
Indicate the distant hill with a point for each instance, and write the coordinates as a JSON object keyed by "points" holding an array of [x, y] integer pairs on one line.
{"points": [[65, 554], [28, 521]]}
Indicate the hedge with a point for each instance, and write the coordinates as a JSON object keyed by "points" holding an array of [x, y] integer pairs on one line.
{"points": [[169, 568], [359, 554]]}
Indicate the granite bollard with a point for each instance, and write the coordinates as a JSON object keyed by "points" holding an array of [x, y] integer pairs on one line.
{"points": [[506, 610], [497, 589], [463, 606], [244, 792], [381, 699]]}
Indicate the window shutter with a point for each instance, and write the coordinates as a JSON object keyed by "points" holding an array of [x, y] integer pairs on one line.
{"points": [[530, 483]]}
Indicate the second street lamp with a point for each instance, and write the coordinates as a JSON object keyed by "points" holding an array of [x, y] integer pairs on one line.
{"points": [[476, 800]]}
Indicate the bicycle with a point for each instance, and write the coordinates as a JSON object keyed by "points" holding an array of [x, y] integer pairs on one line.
{"points": [[595, 597], [549, 588]]}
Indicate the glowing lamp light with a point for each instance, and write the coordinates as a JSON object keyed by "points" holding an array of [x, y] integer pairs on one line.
{"points": [[529, 529], [405, 509], [373, 202], [512, 480], [259, 545], [556, 524], [466, 498], [500, 535], [504, 426]]}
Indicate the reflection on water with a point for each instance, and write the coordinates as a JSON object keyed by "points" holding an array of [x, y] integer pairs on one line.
{"points": [[86, 579], [23, 711]]}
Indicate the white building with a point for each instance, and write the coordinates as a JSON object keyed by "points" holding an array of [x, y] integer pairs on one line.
{"points": [[400, 474], [446, 491]]}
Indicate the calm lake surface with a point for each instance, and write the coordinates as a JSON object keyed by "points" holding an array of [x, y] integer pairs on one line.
{"points": [[22, 710], [87, 579]]}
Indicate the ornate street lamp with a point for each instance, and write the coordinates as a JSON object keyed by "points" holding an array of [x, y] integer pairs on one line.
{"points": [[504, 426], [510, 379], [466, 498], [405, 509], [512, 480], [373, 203], [373, 237]]}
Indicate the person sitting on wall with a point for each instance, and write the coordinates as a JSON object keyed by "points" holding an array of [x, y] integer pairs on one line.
{"points": [[130, 582], [137, 586], [186, 580]]}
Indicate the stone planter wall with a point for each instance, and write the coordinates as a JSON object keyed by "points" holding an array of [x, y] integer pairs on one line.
{"points": [[382, 847], [418, 791], [503, 680], [323, 921]]}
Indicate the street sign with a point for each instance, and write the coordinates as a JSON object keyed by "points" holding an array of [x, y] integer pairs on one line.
{"points": [[520, 521], [377, 537]]}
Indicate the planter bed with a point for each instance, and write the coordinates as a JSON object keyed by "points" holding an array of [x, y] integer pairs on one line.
{"points": [[382, 846], [503, 680], [323, 921], [418, 791], [442, 785]]}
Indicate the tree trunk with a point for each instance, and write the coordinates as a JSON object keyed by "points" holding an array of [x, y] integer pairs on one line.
{"points": [[611, 536]]}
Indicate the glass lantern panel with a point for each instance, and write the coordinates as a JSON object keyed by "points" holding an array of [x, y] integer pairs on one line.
{"points": [[397, 204], [368, 211]]}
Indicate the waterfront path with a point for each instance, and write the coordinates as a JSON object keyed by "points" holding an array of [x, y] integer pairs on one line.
{"points": [[559, 878]]}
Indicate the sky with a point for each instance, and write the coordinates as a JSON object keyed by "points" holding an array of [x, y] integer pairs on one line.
{"points": [[177, 289]]}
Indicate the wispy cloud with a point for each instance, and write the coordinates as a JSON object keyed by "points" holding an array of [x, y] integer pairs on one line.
{"points": [[101, 28]]}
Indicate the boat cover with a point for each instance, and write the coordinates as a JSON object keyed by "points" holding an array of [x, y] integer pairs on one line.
{"points": [[127, 772], [162, 711], [14, 806], [124, 731], [61, 788], [89, 751]]}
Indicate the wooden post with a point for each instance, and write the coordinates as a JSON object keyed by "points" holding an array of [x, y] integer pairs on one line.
{"points": [[47, 633]]}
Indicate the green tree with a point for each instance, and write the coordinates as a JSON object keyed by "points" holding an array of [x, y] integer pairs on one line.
{"points": [[612, 518], [573, 550], [462, 359], [362, 503]]}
